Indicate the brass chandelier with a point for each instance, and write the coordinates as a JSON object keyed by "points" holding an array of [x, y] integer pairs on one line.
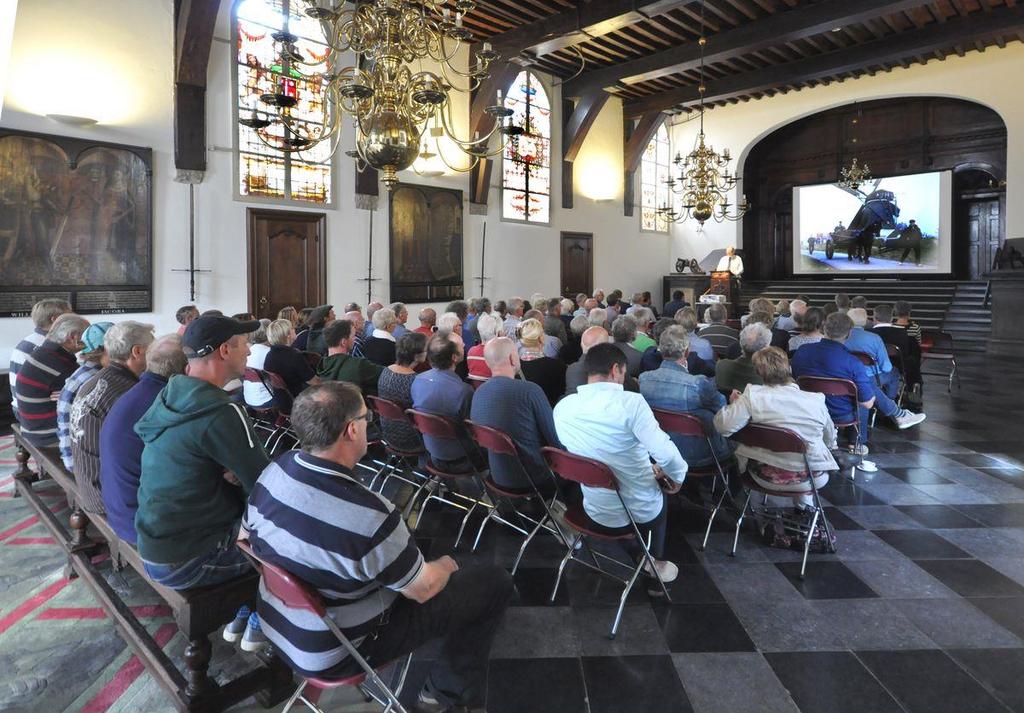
{"points": [[853, 175], [704, 180], [392, 106]]}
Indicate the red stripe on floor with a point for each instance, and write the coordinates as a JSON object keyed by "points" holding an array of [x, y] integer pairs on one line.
{"points": [[125, 676], [31, 604], [19, 527], [145, 611], [32, 541]]}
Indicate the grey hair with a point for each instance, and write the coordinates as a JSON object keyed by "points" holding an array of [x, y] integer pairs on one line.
{"points": [[579, 325], [755, 337], [447, 322], [165, 357], [716, 313], [321, 413], [638, 298], [515, 304], [597, 317], [624, 328], [487, 325], [47, 310], [643, 316], [278, 331], [674, 343], [260, 335], [687, 318], [883, 314], [858, 315], [65, 325], [399, 307], [838, 326], [477, 304], [119, 339], [567, 305], [384, 318]]}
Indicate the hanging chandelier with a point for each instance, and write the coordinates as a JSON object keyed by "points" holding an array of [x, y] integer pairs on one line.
{"points": [[853, 175], [394, 107], [704, 181]]}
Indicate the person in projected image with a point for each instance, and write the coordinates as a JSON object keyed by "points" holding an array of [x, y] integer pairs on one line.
{"points": [[910, 238]]}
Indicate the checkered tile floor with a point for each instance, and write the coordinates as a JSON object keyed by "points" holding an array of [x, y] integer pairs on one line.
{"points": [[921, 609]]}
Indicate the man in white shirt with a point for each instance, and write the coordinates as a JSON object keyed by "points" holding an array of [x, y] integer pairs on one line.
{"points": [[731, 262], [616, 427]]}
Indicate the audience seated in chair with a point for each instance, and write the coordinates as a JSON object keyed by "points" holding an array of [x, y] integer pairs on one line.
{"points": [[341, 365], [287, 361], [553, 324], [428, 319], [785, 322], [92, 358], [401, 317], [861, 340], [687, 319], [896, 335], [778, 401], [725, 340], [797, 308], [258, 346], [200, 462], [488, 327], [780, 337], [311, 339], [43, 314], [603, 422], [395, 384], [572, 351], [901, 318], [675, 305], [736, 374], [651, 359], [673, 388], [380, 347], [120, 446], [513, 318], [545, 371], [623, 336], [811, 322], [644, 322], [126, 344], [376, 584], [831, 358], [519, 408]]}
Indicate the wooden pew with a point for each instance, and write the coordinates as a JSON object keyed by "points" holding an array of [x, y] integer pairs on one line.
{"points": [[198, 612]]}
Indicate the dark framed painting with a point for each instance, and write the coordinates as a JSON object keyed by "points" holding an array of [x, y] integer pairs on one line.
{"points": [[426, 244], [76, 222]]}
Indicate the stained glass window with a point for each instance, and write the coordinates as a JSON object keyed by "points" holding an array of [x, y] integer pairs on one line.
{"points": [[654, 171], [526, 178], [262, 170]]}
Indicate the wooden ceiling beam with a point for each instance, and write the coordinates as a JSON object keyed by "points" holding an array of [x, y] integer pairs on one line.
{"points": [[924, 41], [764, 34]]}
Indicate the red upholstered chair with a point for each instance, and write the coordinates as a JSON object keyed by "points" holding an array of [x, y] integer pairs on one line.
{"points": [[685, 424], [896, 357], [386, 410], [938, 346], [869, 363], [781, 440], [296, 594], [313, 359], [499, 442], [831, 386], [442, 427], [595, 474]]}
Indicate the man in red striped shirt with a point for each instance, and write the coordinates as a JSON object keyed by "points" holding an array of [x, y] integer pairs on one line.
{"points": [[42, 376]]}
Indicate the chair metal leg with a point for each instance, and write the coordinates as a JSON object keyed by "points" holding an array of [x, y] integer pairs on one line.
{"points": [[561, 566], [626, 591], [480, 532], [807, 544], [295, 697], [387, 467], [412, 501], [526, 542], [739, 523], [465, 520], [711, 520]]}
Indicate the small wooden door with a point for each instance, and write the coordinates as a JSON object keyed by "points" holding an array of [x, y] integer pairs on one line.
{"points": [[984, 230], [287, 261], [577, 264]]}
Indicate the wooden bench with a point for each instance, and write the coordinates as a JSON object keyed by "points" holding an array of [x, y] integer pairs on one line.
{"points": [[198, 612]]}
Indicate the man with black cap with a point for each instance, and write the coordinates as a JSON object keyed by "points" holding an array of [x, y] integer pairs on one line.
{"points": [[200, 461], [312, 340]]}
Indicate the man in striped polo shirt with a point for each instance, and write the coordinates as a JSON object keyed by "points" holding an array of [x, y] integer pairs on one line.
{"points": [[310, 516], [42, 377], [44, 312]]}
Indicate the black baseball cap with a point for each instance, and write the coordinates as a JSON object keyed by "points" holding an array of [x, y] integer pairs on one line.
{"points": [[202, 336]]}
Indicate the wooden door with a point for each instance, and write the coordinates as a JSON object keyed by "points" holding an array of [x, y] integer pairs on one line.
{"points": [[577, 264], [287, 261], [984, 230]]}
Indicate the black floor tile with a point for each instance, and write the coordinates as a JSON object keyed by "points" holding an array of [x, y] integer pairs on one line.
{"points": [[929, 682], [830, 682], [1006, 611], [975, 460], [699, 628], [917, 476], [624, 684], [999, 670], [938, 516], [971, 578], [536, 685], [826, 580], [1013, 476], [846, 494], [922, 544], [840, 520], [693, 586], [533, 587], [1002, 515], [588, 588]]}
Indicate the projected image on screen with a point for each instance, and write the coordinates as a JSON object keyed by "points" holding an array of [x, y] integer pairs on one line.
{"points": [[896, 224]]}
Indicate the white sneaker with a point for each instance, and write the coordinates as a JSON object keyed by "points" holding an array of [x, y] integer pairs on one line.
{"points": [[906, 419], [666, 570]]}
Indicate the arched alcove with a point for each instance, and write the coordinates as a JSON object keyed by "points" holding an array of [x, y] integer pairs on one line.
{"points": [[896, 136]]}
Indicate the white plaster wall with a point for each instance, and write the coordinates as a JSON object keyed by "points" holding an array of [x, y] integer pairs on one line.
{"points": [[990, 78]]}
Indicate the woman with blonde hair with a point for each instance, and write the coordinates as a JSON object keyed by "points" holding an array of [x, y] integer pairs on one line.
{"points": [[547, 372], [285, 360]]}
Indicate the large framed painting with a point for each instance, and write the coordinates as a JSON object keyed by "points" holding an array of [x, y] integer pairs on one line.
{"points": [[76, 222], [426, 244]]}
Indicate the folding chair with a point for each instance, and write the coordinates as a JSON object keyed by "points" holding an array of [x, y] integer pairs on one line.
{"points": [[442, 427], [269, 403], [831, 386], [869, 363], [685, 424], [781, 440], [595, 474], [499, 442], [938, 346], [390, 411], [298, 595], [896, 357]]}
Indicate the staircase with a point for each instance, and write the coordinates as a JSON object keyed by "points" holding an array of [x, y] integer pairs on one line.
{"points": [[950, 305]]}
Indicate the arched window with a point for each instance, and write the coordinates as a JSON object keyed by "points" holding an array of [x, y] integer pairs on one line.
{"points": [[526, 177], [262, 170], [654, 171]]}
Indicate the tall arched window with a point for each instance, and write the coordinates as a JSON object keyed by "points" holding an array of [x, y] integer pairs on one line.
{"points": [[654, 171], [262, 170], [526, 177]]}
